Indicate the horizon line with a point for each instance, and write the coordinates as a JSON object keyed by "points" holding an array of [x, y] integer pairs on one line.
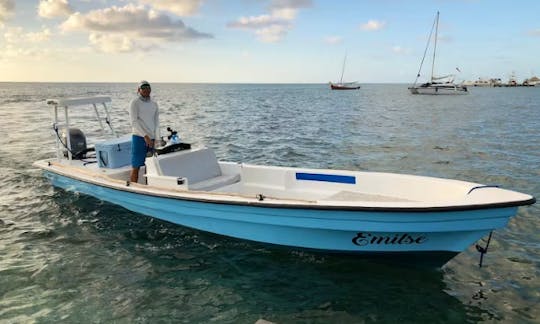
{"points": [[182, 82]]}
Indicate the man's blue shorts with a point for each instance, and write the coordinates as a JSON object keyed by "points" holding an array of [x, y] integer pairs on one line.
{"points": [[138, 151]]}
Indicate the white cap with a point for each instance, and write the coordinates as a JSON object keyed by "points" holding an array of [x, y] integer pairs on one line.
{"points": [[143, 82]]}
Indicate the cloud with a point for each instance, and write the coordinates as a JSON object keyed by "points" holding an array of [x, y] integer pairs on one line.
{"points": [[290, 4], [115, 43], [333, 40], [130, 28], [12, 52], [7, 7], [274, 26], [54, 9], [14, 35], [400, 50], [257, 22], [373, 25], [19, 44], [23, 52], [178, 7], [268, 28], [272, 34]]}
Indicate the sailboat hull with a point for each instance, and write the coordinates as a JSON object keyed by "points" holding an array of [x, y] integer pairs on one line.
{"points": [[439, 90], [343, 87]]}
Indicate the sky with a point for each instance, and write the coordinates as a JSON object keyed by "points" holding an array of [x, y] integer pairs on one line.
{"points": [[265, 41]]}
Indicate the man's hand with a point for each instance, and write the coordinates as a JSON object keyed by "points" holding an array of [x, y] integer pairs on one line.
{"points": [[149, 141]]}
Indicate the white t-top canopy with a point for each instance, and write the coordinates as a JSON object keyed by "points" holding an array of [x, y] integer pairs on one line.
{"points": [[70, 102]]}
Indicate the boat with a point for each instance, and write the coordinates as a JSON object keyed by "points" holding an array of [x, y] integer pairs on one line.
{"points": [[493, 82], [438, 85], [344, 85], [532, 82], [512, 81], [325, 210]]}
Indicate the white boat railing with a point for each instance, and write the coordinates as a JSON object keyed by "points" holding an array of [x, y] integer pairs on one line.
{"points": [[68, 103]]}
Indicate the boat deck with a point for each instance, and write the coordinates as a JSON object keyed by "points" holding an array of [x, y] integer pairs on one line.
{"points": [[358, 196], [198, 173], [242, 187]]}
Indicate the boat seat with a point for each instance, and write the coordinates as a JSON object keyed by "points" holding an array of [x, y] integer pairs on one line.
{"points": [[200, 167], [215, 183]]}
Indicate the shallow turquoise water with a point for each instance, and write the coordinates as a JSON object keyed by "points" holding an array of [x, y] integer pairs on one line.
{"points": [[68, 257]]}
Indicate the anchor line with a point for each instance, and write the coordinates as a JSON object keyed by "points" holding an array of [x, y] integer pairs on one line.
{"points": [[483, 250]]}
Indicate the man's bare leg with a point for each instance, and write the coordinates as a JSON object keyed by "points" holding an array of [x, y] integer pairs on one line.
{"points": [[134, 176]]}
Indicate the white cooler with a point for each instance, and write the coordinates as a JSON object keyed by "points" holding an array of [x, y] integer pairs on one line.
{"points": [[114, 153]]}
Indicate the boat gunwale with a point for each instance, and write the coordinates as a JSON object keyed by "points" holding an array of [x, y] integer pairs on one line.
{"points": [[308, 205]]}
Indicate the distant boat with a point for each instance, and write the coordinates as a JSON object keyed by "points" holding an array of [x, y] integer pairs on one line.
{"points": [[344, 85], [531, 82], [512, 82], [479, 83], [437, 85], [493, 82]]}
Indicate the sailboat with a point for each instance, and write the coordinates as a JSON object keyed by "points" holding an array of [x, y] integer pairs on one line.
{"points": [[437, 84], [344, 85]]}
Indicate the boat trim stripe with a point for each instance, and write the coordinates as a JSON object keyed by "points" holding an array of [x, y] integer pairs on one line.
{"points": [[325, 177]]}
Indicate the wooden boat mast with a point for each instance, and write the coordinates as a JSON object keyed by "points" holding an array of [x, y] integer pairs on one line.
{"points": [[343, 69]]}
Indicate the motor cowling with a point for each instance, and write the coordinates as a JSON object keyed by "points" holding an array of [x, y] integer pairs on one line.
{"points": [[77, 141]]}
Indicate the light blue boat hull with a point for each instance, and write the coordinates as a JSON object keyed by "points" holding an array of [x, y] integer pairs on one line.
{"points": [[320, 229]]}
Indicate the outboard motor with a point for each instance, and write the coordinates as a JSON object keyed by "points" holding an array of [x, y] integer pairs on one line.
{"points": [[77, 141]]}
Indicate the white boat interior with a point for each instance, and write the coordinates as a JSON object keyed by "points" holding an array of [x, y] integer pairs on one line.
{"points": [[197, 171]]}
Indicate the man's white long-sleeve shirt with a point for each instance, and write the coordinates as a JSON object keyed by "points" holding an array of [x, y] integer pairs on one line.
{"points": [[144, 116]]}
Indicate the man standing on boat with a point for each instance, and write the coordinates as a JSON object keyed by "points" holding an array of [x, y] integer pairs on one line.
{"points": [[144, 116]]}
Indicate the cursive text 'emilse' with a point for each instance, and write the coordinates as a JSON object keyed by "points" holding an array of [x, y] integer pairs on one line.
{"points": [[363, 239]]}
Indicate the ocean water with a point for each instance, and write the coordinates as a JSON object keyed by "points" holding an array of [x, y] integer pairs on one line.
{"points": [[66, 257]]}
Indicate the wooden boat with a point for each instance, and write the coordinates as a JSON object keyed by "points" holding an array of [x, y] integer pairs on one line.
{"points": [[442, 85], [344, 85], [326, 210]]}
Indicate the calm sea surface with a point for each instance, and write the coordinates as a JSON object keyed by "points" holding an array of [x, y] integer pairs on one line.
{"points": [[72, 258]]}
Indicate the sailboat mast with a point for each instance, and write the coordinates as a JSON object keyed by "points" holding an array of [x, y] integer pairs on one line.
{"points": [[435, 46], [343, 69]]}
